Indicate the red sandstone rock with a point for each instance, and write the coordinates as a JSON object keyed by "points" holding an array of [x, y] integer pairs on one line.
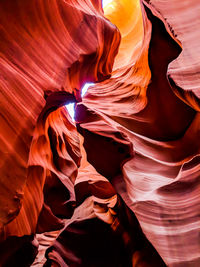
{"points": [[140, 125]]}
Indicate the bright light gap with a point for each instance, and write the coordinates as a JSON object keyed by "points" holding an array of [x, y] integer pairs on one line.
{"points": [[70, 107], [106, 2]]}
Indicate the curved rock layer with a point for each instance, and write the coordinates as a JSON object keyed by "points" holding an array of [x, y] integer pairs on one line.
{"points": [[125, 179], [162, 185], [42, 51]]}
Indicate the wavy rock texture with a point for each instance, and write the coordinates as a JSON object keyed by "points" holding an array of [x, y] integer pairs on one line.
{"points": [[38, 51], [123, 180]]}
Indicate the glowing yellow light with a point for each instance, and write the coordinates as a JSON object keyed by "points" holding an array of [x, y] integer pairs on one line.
{"points": [[127, 16], [108, 5]]}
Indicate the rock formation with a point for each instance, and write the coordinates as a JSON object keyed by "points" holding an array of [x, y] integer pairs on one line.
{"points": [[119, 186]]}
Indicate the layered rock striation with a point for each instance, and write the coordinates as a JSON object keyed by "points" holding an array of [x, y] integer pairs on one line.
{"points": [[120, 185]]}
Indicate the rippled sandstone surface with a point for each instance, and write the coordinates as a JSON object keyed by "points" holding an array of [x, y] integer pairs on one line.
{"points": [[120, 186]]}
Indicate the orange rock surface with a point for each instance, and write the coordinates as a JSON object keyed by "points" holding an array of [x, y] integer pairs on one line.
{"points": [[120, 185]]}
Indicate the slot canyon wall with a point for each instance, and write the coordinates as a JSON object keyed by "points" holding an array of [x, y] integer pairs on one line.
{"points": [[120, 184]]}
